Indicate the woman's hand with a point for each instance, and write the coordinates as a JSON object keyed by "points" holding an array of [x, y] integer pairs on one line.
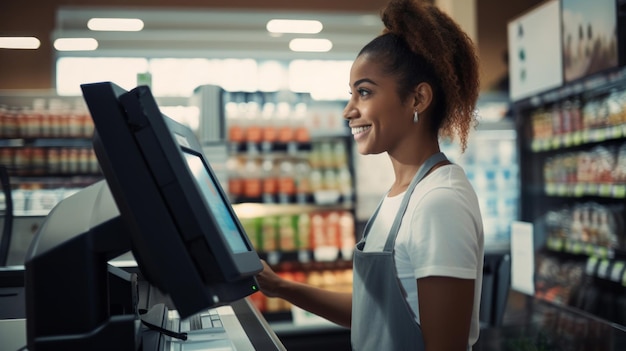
{"points": [[269, 281]]}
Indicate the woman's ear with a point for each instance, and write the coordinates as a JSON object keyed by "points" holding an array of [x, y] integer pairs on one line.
{"points": [[422, 97]]}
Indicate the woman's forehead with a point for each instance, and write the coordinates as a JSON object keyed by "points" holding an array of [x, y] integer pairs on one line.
{"points": [[365, 65]]}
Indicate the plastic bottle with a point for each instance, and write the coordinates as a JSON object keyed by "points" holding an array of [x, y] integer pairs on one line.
{"points": [[254, 131], [269, 128], [270, 180], [268, 234], [286, 233], [301, 132], [346, 235], [286, 182], [344, 180], [252, 180], [303, 241], [236, 133], [235, 180], [303, 182], [285, 129]]}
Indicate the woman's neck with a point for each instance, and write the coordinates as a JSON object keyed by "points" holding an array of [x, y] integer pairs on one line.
{"points": [[406, 166]]}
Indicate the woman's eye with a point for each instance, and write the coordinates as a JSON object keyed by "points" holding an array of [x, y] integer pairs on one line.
{"points": [[363, 92]]}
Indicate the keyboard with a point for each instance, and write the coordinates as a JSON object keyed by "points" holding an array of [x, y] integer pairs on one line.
{"points": [[205, 331], [204, 322]]}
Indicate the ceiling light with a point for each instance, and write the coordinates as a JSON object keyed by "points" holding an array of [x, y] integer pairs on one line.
{"points": [[115, 24], [310, 45], [19, 43], [294, 26], [76, 44]]}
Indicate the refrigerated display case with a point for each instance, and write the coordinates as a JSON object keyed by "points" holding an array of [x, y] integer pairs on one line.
{"points": [[492, 167]]}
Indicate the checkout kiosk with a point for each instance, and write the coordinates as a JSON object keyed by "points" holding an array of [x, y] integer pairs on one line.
{"points": [[161, 201]]}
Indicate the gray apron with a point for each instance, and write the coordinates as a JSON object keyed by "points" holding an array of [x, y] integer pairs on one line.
{"points": [[381, 317]]}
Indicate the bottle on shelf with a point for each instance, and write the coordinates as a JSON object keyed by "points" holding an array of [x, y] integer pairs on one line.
{"points": [[286, 182], [270, 179], [252, 182]]}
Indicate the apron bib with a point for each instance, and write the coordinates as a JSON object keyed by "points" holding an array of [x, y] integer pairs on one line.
{"points": [[381, 317]]}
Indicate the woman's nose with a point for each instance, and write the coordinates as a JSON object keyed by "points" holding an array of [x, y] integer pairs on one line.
{"points": [[349, 112]]}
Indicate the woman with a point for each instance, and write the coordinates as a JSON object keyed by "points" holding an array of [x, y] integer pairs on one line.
{"points": [[418, 268]]}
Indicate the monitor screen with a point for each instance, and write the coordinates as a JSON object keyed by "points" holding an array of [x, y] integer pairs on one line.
{"points": [[185, 236], [216, 202]]}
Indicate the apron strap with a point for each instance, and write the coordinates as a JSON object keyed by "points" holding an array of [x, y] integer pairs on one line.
{"points": [[421, 173]]}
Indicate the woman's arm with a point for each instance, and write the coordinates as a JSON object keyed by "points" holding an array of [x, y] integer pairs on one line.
{"points": [[445, 306], [332, 305]]}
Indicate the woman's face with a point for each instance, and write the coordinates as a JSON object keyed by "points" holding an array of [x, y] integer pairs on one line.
{"points": [[379, 120]]}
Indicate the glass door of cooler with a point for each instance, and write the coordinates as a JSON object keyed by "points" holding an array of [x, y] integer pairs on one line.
{"points": [[491, 164]]}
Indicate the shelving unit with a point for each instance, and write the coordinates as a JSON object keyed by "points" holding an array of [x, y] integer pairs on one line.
{"points": [[290, 177], [45, 143], [573, 183]]}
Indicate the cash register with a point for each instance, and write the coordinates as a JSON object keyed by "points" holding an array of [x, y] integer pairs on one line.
{"points": [[161, 202]]}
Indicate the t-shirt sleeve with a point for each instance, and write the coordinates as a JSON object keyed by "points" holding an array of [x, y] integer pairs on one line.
{"points": [[443, 239]]}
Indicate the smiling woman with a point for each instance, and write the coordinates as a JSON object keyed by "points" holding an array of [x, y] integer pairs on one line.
{"points": [[418, 268]]}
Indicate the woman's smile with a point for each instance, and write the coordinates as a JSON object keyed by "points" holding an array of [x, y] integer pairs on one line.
{"points": [[360, 131]]}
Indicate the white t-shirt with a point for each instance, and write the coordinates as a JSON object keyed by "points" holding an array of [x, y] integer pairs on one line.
{"points": [[441, 234]]}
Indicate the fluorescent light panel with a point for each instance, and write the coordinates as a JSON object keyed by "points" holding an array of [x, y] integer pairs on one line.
{"points": [[310, 45], [19, 43], [76, 44], [115, 24], [294, 26]]}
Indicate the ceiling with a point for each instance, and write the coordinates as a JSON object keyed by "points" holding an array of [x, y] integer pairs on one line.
{"points": [[214, 33]]}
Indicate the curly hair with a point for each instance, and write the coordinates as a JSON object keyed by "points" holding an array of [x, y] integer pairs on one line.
{"points": [[420, 43]]}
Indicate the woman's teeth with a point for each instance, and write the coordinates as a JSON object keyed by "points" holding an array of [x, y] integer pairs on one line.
{"points": [[357, 130]]}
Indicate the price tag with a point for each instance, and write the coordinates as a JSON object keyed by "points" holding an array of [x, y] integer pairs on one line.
{"points": [[555, 142], [616, 132], [568, 140], [579, 189], [602, 252], [592, 189], [273, 257], [577, 138], [619, 191], [550, 189], [596, 135], [617, 271], [303, 256], [535, 146], [586, 136], [558, 244], [603, 267], [605, 190], [568, 246], [591, 265]]}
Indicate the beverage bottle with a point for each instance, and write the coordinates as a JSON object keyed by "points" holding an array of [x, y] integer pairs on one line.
{"points": [[286, 182], [270, 180], [252, 180], [346, 235], [287, 233]]}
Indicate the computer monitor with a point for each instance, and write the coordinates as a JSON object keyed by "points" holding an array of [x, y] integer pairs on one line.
{"points": [[161, 200], [185, 235]]}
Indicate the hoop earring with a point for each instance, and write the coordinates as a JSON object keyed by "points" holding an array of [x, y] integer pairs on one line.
{"points": [[415, 117]]}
